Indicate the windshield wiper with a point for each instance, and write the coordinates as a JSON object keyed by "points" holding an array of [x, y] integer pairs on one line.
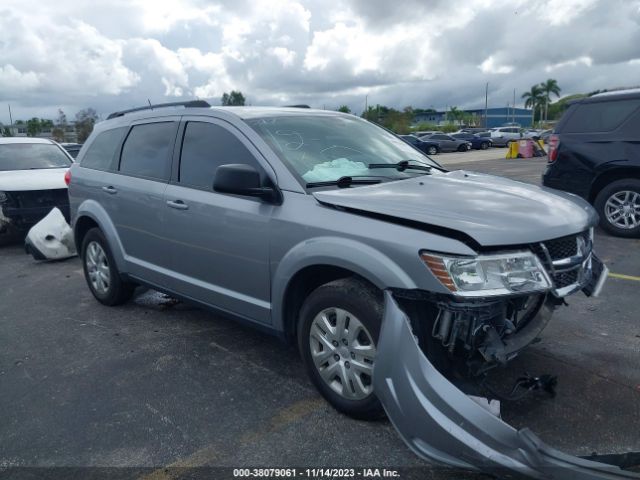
{"points": [[402, 165], [343, 182]]}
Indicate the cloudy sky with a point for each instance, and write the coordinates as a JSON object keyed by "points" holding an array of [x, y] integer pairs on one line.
{"points": [[114, 54]]}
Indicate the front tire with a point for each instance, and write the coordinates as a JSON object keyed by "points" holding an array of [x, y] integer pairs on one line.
{"points": [[432, 150], [338, 330], [484, 145], [618, 205], [100, 272]]}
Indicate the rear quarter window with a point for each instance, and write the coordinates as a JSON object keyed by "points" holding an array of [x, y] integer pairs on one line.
{"points": [[599, 116], [101, 153], [146, 151]]}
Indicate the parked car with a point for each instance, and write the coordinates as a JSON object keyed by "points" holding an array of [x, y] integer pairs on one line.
{"points": [[477, 142], [472, 130], [430, 148], [32, 174], [595, 153], [388, 271], [447, 143], [424, 133], [502, 136], [545, 134], [72, 148]]}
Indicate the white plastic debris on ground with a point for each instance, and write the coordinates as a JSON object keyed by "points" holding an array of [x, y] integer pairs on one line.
{"points": [[51, 238]]}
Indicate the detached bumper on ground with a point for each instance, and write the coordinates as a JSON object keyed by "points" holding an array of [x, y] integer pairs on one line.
{"points": [[443, 425]]}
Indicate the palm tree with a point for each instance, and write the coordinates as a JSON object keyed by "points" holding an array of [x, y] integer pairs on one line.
{"points": [[547, 88], [533, 99]]}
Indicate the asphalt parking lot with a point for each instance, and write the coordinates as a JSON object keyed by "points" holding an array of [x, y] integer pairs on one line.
{"points": [[156, 384]]}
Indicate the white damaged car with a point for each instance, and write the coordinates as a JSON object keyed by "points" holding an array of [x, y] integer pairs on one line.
{"points": [[32, 182]]}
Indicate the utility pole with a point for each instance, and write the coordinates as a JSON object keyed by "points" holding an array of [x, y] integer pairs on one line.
{"points": [[10, 117], [366, 98], [486, 105], [513, 116]]}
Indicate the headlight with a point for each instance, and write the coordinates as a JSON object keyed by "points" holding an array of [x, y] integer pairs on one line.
{"points": [[484, 275]]}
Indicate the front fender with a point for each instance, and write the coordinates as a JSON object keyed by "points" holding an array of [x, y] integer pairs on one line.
{"points": [[93, 210], [443, 425], [358, 257]]}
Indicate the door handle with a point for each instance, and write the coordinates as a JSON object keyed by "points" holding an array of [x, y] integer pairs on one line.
{"points": [[177, 204], [110, 189]]}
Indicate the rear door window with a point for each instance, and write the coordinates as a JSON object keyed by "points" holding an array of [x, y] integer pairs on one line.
{"points": [[600, 116], [146, 151], [205, 147], [102, 150]]}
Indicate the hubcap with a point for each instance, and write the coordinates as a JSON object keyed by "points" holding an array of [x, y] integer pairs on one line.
{"points": [[98, 268], [623, 209], [343, 352]]}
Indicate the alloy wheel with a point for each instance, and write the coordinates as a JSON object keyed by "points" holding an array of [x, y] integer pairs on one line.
{"points": [[622, 209], [343, 352], [98, 268]]}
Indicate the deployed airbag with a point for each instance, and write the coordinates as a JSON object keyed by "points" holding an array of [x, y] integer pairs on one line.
{"points": [[51, 238]]}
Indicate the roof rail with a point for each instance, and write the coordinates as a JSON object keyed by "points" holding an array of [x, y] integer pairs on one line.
{"points": [[187, 104], [297, 106]]}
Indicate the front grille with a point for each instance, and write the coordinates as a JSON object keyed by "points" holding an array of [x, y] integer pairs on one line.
{"points": [[564, 279], [552, 252], [41, 198]]}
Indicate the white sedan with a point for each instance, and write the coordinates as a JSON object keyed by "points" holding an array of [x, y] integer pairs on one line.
{"points": [[32, 181]]}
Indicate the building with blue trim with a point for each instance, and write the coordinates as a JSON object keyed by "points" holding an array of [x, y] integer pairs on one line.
{"points": [[496, 117]]}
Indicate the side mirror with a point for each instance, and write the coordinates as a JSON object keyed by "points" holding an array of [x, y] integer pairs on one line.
{"points": [[242, 179]]}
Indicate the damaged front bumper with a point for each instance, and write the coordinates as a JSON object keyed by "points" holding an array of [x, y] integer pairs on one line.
{"points": [[443, 425]]}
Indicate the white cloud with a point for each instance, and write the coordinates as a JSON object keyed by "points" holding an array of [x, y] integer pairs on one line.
{"points": [[114, 54], [491, 66], [12, 79]]}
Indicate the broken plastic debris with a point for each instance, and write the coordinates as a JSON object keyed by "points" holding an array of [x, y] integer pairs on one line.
{"points": [[51, 238]]}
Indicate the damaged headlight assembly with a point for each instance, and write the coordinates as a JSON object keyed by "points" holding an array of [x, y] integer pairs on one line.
{"points": [[488, 275]]}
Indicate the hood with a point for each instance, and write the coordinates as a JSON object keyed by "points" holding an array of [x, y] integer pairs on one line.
{"points": [[492, 210], [25, 180]]}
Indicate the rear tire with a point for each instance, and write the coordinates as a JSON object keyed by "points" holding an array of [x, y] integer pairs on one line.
{"points": [[339, 360], [432, 150], [100, 271], [617, 203], [463, 148], [484, 145]]}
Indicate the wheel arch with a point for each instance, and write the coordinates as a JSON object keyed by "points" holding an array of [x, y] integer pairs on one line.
{"points": [[311, 264], [92, 215], [611, 175]]}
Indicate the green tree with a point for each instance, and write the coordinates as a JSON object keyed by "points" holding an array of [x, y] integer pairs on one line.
{"points": [[85, 120], [235, 98], [58, 132], [344, 109], [6, 132], [547, 88], [34, 127], [533, 99], [455, 115]]}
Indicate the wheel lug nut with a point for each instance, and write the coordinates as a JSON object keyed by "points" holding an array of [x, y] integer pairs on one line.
{"points": [[347, 365], [335, 344], [336, 357], [344, 341], [353, 355]]}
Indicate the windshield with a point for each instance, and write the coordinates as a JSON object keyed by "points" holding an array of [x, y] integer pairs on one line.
{"points": [[320, 148], [29, 156]]}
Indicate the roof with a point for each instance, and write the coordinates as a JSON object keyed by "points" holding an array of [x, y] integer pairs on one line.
{"points": [[4, 140]]}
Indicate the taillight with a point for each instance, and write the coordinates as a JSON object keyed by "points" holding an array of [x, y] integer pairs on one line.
{"points": [[67, 177], [553, 142]]}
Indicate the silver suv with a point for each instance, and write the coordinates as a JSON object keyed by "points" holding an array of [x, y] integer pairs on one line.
{"points": [[393, 276]]}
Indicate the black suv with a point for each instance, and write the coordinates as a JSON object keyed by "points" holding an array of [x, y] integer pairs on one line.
{"points": [[595, 153]]}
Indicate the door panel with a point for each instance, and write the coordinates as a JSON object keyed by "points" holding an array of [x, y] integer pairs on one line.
{"points": [[219, 242], [220, 249]]}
